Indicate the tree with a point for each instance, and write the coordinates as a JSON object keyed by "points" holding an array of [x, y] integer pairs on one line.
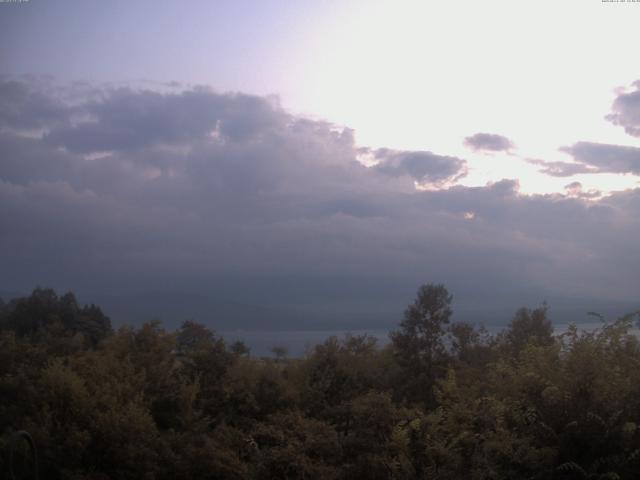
{"points": [[240, 348], [291, 446], [418, 344], [368, 447], [280, 352], [530, 326], [193, 336], [43, 310], [470, 345], [204, 359]]}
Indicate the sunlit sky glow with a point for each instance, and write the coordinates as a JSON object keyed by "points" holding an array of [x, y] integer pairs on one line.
{"points": [[423, 75]]}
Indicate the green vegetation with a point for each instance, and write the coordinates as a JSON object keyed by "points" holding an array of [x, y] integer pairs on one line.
{"points": [[441, 401]]}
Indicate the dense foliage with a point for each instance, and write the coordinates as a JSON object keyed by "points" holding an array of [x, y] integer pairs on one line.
{"points": [[441, 401]]}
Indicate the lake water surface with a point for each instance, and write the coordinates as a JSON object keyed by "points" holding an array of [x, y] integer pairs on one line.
{"points": [[297, 342]]}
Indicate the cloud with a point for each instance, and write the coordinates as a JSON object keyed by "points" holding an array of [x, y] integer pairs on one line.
{"points": [[561, 169], [425, 168], [626, 111], [591, 157], [230, 198], [126, 120], [606, 158], [24, 106], [488, 142], [574, 189]]}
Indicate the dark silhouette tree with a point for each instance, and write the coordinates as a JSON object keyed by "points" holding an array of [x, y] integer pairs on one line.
{"points": [[470, 345], [280, 352], [205, 359], [530, 327], [240, 348], [418, 344], [43, 310]]}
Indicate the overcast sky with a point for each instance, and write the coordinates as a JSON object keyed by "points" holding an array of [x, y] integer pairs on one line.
{"points": [[308, 164]]}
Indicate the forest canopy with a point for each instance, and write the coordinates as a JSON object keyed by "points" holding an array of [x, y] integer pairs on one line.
{"points": [[443, 399]]}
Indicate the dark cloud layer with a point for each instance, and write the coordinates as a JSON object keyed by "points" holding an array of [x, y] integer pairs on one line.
{"points": [[249, 215], [488, 142]]}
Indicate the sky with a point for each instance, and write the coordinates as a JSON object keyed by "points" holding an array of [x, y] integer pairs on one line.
{"points": [[277, 164]]}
